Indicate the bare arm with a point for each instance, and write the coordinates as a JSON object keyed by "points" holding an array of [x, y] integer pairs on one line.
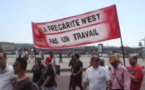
{"points": [[138, 75], [85, 84], [41, 77], [108, 84], [34, 68], [45, 82], [133, 78], [70, 63], [56, 67]]}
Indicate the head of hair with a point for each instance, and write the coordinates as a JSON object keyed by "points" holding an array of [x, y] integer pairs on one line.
{"points": [[135, 57], [1, 50], [73, 54], [77, 55], [22, 62], [51, 52], [102, 62], [5, 56], [38, 57]]}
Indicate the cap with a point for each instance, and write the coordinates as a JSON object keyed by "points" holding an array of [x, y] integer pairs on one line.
{"points": [[48, 59], [95, 58], [113, 58]]}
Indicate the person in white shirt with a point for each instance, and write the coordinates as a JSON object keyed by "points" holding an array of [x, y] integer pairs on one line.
{"points": [[102, 63], [96, 76], [6, 73]]}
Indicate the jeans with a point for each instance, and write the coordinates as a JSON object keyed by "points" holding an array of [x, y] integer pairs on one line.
{"points": [[49, 88]]}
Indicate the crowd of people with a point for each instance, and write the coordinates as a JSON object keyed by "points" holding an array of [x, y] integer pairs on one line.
{"points": [[97, 75]]}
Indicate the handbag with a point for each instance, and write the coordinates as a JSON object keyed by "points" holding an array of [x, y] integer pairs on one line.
{"points": [[118, 80]]}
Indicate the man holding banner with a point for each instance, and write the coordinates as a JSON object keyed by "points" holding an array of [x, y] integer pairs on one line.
{"points": [[120, 77]]}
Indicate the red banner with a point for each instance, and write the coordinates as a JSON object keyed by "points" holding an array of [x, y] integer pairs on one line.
{"points": [[96, 26]]}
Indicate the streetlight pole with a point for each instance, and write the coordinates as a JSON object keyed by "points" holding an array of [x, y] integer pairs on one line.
{"points": [[143, 41], [143, 50]]}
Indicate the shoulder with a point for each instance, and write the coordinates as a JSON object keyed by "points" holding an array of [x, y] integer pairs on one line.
{"points": [[30, 84], [102, 68], [139, 67], [89, 69], [42, 66], [123, 68], [55, 58], [129, 68], [29, 81], [10, 69], [80, 62], [26, 82], [120, 66]]}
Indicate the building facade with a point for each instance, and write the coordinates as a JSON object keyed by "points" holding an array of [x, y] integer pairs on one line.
{"points": [[6, 46]]}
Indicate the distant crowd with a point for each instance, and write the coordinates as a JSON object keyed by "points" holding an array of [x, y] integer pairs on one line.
{"points": [[45, 71]]}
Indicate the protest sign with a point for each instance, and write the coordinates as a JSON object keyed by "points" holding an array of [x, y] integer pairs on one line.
{"points": [[96, 26]]}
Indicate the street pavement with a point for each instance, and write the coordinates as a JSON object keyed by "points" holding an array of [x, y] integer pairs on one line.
{"points": [[63, 79]]}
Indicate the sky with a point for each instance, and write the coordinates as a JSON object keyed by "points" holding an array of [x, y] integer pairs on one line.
{"points": [[16, 17]]}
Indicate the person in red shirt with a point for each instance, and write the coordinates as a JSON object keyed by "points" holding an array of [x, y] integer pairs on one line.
{"points": [[136, 73]]}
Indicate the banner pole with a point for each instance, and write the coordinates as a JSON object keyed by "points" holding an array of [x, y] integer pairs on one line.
{"points": [[122, 48], [35, 54], [34, 49]]}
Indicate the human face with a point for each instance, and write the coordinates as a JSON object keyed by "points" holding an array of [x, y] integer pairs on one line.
{"points": [[73, 56], [38, 60], [132, 61], [48, 63], [95, 63], [2, 59], [16, 67], [114, 64], [51, 54]]}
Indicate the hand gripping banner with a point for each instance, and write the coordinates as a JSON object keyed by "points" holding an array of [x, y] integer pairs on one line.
{"points": [[95, 26]]}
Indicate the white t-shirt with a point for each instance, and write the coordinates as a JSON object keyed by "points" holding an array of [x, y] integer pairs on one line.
{"points": [[97, 78], [5, 82], [107, 68], [55, 61]]}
